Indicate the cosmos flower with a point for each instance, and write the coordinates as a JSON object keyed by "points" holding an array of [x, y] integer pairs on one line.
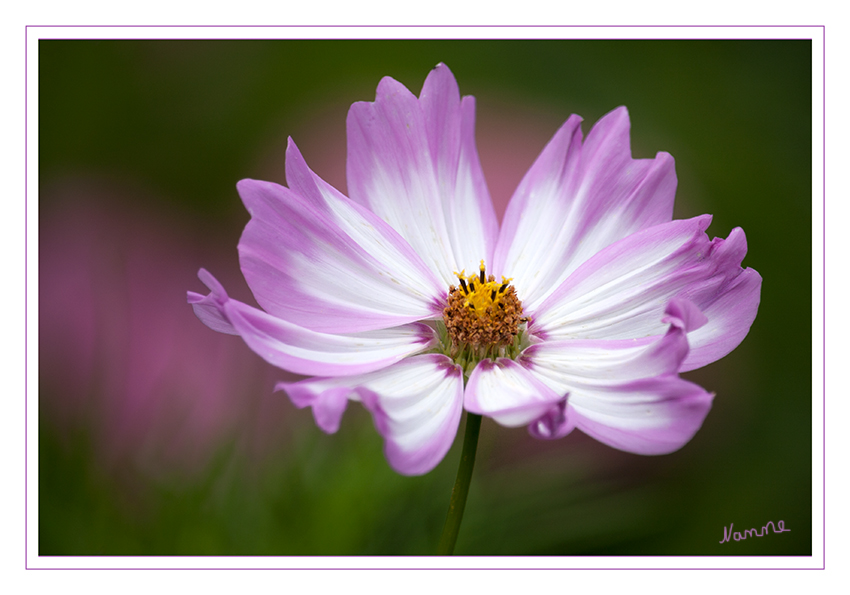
{"points": [[119, 360], [580, 311]]}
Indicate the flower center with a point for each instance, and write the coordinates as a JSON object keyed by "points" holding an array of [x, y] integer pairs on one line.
{"points": [[483, 318]]}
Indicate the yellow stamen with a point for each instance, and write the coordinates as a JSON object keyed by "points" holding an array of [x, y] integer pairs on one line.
{"points": [[483, 313], [483, 291]]}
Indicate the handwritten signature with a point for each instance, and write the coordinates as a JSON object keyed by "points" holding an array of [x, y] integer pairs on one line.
{"points": [[738, 536]]}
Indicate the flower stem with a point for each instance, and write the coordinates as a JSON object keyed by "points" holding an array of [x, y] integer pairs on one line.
{"points": [[461, 489]]}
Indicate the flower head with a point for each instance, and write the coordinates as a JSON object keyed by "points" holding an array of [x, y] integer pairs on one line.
{"points": [[119, 360], [579, 311]]}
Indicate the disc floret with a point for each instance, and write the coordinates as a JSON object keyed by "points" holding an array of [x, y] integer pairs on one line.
{"points": [[483, 318]]}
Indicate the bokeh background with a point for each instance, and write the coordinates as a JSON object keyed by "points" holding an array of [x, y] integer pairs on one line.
{"points": [[158, 436]]}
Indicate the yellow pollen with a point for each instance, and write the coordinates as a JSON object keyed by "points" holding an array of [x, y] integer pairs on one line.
{"points": [[482, 313], [482, 291]]}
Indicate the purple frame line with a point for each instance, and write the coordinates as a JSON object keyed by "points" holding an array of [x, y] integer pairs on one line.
{"points": [[436, 26], [345, 568], [823, 165], [26, 287], [26, 303]]}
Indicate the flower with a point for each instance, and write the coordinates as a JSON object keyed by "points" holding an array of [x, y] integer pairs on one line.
{"points": [[119, 360], [579, 312]]}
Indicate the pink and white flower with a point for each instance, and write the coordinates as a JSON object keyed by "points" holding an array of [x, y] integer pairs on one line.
{"points": [[610, 298]]}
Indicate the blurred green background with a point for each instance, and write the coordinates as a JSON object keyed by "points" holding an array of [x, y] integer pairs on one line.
{"points": [[159, 436]]}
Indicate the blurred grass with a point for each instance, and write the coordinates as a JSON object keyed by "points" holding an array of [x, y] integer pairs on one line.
{"points": [[323, 496], [186, 119]]}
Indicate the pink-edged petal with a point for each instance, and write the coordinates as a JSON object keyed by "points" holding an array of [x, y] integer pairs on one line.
{"points": [[209, 308], [327, 402], [450, 126], [539, 207], [684, 314], [303, 351], [730, 302], [653, 416], [416, 405], [624, 393], [649, 417], [315, 258], [413, 162], [620, 292], [565, 364], [577, 199], [505, 391], [390, 171], [553, 424]]}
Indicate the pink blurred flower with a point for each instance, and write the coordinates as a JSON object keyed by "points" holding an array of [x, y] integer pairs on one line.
{"points": [[598, 300], [117, 356]]}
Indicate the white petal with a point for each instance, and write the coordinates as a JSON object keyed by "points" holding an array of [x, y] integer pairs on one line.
{"points": [[625, 393], [621, 292], [390, 171], [416, 404], [304, 351], [450, 124], [507, 392], [577, 199], [316, 259]]}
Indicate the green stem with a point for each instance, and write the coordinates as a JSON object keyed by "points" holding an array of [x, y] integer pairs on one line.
{"points": [[461, 489]]}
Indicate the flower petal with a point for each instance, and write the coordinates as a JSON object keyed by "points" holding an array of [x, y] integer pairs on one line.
{"points": [[730, 302], [414, 163], [450, 125], [619, 293], [649, 417], [328, 402], [553, 424], [303, 351], [624, 394], [390, 171], [577, 199], [209, 308], [314, 258], [507, 392], [416, 405], [564, 364]]}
